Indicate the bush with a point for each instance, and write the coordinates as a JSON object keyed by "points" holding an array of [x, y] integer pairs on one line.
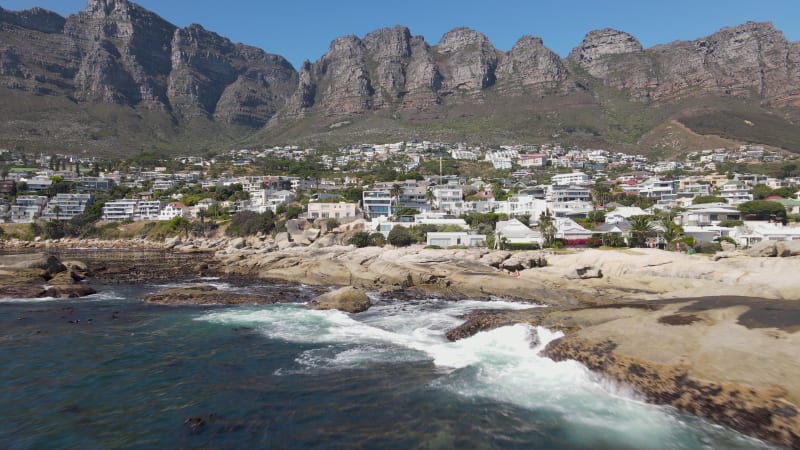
{"points": [[708, 248], [519, 246], [248, 223], [433, 247], [377, 239], [730, 223], [361, 239], [400, 237]]}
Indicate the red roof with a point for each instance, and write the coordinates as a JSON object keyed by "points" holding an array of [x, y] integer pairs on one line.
{"points": [[774, 197]]}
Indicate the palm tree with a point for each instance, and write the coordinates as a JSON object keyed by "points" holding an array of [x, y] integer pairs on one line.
{"points": [[396, 191], [641, 226], [548, 228], [672, 230], [57, 211]]}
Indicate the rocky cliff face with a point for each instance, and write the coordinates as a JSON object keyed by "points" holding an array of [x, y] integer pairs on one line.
{"points": [[116, 52], [753, 60], [531, 65]]}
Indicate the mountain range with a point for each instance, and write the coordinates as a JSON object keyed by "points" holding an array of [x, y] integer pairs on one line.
{"points": [[118, 79]]}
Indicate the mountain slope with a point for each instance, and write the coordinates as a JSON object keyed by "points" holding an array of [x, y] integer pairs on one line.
{"points": [[118, 78]]}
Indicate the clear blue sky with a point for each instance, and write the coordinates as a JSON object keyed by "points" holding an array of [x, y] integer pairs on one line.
{"points": [[301, 30]]}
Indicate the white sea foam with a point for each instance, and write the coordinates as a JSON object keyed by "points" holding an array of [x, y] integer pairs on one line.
{"points": [[502, 364]]}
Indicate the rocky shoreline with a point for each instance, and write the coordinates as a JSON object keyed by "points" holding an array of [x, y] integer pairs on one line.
{"points": [[715, 337]]}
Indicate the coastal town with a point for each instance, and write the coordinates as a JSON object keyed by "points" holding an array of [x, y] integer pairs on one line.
{"points": [[536, 195]]}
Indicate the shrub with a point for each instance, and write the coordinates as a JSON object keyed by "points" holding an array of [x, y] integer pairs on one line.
{"points": [[730, 223], [377, 239], [361, 239], [248, 223], [399, 236], [520, 246], [433, 247]]}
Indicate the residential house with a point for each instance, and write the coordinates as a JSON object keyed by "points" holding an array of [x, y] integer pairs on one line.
{"points": [[447, 198], [735, 192], [708, 214], [27, 208], [623, 213], [66, 206], [570, 232], [172, 210], [521, 204], [450, 239], [513, 231], [753, 232], [341, 211], [119, 210], [377, 203], [534, 160], [439, 219], [568, 179], [147, 210], [95, 184], [792, 206], [38, 183]]}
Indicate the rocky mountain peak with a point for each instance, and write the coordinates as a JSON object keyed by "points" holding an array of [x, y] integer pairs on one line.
{"points": [[459, 38], [599, 43], [530, 63], [467, 60], [389, 42], [36, 18]]}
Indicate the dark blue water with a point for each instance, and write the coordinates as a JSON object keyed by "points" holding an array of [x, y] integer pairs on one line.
{"points": [[111, 372]]}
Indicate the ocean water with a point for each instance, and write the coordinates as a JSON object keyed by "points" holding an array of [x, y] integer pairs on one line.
{"points": [[111, 372]]}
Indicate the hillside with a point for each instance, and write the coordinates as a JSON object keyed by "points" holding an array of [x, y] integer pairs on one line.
{"points": [[118, 79]]}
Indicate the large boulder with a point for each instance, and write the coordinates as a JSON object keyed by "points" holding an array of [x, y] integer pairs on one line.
{"points": [[763, 249], [788, 248], [348, 299], [49, 263]]}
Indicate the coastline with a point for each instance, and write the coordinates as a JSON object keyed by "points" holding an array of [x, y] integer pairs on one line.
{"points": [[640, 317]]}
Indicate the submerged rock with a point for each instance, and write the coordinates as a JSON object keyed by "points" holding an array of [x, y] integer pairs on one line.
{"points": [[205, 295], [348, 299]]}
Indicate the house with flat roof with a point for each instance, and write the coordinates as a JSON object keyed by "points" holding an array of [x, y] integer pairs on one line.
{"points": [[451, 239]]}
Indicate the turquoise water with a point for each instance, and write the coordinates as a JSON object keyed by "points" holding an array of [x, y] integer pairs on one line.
{"points": [[111, 372]]}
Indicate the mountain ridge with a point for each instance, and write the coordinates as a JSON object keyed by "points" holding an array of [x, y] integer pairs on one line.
{"points": [[192, 88]]}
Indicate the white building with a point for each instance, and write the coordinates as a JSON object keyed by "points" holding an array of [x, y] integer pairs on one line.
{"points": [[536, 160], [147, 210], [377, 203], [445, 197], [119, 210], [450, 239], [340, 210], [515, 232], [755, 232], [521, 204], [66, 206], [567, 179], [27, 208], [172, 210], [735, 192]]}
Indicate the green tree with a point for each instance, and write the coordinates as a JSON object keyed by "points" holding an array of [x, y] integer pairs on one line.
{"points": [[763, 210], [57, 211], [761, 191], [641, 226], [703, 199], [399, 236]]}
